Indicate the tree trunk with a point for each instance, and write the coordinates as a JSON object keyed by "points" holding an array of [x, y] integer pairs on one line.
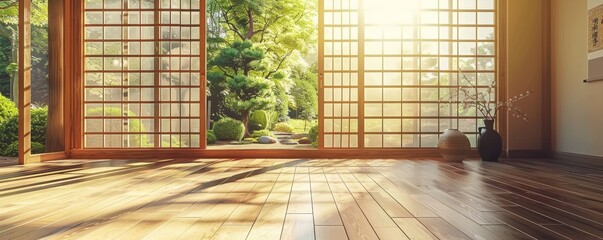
{"points": [[245, 118], [11, 33], [14, 76], [250, 31]]}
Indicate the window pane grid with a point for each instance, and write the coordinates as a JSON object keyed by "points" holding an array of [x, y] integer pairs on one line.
{"points": [[341, 74], [142, 74], [412, 53]]}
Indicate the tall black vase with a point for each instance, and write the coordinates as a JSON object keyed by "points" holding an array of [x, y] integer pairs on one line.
{"points": [[489, 142]]}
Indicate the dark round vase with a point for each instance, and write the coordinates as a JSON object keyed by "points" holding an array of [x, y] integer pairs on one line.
{"points": [[489, 142]]}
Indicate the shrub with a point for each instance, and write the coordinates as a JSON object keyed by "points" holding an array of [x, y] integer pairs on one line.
{"points": [[283, 127], [37, 148], [7, 108], [39, 121], [9, 132], [313, 133], [12, 150], [258, 120], [261, 133], [9, 129], [211, 137], [272, 117], [228, 129]]}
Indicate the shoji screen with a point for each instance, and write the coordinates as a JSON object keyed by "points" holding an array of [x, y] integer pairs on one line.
{"points": [[142, 73], [409, 53], [341, 73]]}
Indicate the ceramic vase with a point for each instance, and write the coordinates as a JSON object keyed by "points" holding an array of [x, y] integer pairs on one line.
{"points": [[489, 142], [453, 145]]}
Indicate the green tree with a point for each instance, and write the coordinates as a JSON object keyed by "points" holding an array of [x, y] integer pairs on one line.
{"points": [[245, 92], [284, 29], [305, 92]]}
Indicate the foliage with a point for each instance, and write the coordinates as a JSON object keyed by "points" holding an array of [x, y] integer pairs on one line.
{"points": [[12, 150], [245, 92], [301, 125], [305, 92], [259, 40], [7, 108], [9, 129], [211, 137], [273, 117], [39, 48], [313, 133], [258, 120], [9, 12], [283, 127], [284, 27], [228, 129], [39, 121], [261, 133], [37, 148]]}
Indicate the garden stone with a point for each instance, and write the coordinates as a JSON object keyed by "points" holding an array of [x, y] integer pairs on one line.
{"points": [[266, 140], [304, 141], [300, 135]]}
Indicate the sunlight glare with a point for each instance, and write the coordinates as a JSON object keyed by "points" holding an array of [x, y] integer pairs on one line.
{"points": [[391, 12]]}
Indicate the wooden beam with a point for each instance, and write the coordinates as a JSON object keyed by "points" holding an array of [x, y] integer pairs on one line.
{"points": [[203, 80], [501, 69], [547, 99], [55, 137], [430, 154], [24, 82]]}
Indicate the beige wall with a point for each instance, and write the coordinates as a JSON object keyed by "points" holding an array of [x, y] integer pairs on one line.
{"points": [[578, 107], [525, 71]]}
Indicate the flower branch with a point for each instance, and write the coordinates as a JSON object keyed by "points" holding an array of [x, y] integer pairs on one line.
{"points": [[470, 96]]}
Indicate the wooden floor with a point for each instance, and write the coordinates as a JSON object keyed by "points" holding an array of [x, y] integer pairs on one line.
{"points": [[300, 199]]}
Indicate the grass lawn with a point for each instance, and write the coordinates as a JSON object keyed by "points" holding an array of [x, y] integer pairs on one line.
{"points": [[298, 125]]}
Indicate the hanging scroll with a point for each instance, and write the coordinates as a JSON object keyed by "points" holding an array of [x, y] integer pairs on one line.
{"points": [[595, 40]]}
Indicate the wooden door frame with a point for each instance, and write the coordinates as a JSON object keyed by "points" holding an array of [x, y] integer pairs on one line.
{"points": [[56, 76]]}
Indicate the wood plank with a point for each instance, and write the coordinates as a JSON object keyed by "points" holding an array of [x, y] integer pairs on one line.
{"points": [[464, 224], [356, 224], [507, 232], [324, 207], [300, 202], [442, 229], [532, 229], [414, 229], [231, 232], [207, 225], [269, 223], [330, 233], [298, 227], [390, 233], [171, 229]]}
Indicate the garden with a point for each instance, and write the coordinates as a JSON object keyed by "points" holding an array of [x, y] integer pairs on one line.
{"points": [[262, 73]]}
